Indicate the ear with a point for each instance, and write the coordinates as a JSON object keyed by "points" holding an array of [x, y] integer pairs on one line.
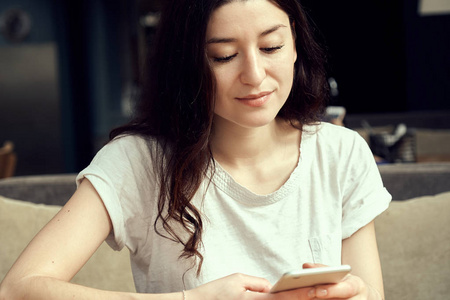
{"points": [[294, 39], [295, 52]]}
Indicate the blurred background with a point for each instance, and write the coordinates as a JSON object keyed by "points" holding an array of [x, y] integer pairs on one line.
{"points": [[69, 69]]}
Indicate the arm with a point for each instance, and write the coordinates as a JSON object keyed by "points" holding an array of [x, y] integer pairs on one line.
{"points": [[360, 251], [60, 249]]}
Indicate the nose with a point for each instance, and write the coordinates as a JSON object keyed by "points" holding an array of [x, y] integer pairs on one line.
{"points": [[253, 71]]}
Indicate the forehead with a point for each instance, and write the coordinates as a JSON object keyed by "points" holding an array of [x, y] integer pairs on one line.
{"points": [[223, 2], [244, 14]]}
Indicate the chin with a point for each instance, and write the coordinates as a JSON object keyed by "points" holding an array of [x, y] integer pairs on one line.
{"points": [[258, 123]]}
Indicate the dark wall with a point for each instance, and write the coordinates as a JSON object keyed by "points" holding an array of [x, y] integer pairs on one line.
{"points": [[428, 59], [61, 85], [383, 55], [30, 103], [92, 53], [41, 15]]}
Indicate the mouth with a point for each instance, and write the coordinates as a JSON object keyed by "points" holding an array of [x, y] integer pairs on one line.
{"points": [[255, 100], [255, 96]]}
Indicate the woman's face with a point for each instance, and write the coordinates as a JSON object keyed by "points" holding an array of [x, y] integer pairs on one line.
{"points": [[252, 53]]}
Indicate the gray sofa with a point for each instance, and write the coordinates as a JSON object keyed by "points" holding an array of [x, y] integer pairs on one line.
{"points": [[406, 181], [413, 234], [42, 189]]}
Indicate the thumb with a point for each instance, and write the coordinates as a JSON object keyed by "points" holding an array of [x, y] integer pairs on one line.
{"points": [[256, 284], [312, 265]]}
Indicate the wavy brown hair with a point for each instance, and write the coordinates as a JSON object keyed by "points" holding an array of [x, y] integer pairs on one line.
{"points": [[176, 107]]}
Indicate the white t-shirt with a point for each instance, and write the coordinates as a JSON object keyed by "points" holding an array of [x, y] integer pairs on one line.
{"points": [[335, 190]]}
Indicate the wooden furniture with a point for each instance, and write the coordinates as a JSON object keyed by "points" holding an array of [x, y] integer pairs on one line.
{"points": [[8, 160]]}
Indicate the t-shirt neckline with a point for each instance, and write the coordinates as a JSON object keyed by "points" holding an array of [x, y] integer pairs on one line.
{"points": [[225, 182]]}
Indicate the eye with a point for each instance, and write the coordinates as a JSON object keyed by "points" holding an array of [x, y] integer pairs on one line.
{"points": [[272, 49], [224, 59]]}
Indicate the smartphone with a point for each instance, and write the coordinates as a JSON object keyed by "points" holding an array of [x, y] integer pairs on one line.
{"points": [[310, 277]]}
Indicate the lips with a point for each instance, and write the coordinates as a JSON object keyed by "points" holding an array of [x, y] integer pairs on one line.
{"points": [[255, 96], [255, 100]]}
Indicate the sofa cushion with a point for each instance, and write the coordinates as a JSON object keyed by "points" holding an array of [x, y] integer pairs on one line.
{"points": [[20, 221], [414, 244]]}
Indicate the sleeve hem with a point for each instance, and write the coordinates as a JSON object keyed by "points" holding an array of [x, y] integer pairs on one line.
{"points": [[366, 214]]}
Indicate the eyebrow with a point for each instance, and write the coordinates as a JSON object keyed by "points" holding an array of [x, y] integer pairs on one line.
{"points": [[231, 40]]}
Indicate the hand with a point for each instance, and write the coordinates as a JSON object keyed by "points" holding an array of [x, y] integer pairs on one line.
{"points": [[236, 286], [240, 286], [351, 287]]}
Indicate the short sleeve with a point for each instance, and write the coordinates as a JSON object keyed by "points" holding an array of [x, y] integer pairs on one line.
{"points": [[365, 197], [122, 174]]}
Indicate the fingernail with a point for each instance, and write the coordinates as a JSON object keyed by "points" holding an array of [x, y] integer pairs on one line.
{"points": [[321, 292], [312, 293]]}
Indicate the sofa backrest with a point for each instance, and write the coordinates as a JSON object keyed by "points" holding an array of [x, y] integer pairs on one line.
{"points": [[45, 189], [414, 245], [406, 181]]}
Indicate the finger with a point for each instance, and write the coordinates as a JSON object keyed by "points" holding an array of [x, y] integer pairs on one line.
{"points": [[348, 288], [299, 294], [312, 265], [254, 284]]}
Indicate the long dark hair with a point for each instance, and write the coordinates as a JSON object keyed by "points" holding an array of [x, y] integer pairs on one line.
{"points": [[177, 106]]}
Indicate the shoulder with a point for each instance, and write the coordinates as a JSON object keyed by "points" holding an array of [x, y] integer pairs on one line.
{"points": [[328, 135], [336, 146], [126, 163], [325, 129], [131, 140], [129, 146], [125, 154]]}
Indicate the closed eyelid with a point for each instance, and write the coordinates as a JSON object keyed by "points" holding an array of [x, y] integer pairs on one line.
{"points": [[273, 47], [226, 58]]}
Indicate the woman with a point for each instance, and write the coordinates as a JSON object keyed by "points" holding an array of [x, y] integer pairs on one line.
{"points": [[225, 179]]}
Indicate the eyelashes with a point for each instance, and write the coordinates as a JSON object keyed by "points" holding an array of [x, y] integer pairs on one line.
{"points": [[272, 49], [224, 59], [268, 50]]}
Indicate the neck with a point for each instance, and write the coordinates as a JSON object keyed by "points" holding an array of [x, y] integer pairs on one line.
{"points": [[237, 146]]}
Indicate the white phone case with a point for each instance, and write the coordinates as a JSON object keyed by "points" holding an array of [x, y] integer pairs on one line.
{"points": [[310, 277]]}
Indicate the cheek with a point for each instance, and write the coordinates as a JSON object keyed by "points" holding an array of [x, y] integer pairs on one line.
{"points": [[223, 80], [220, 90], [284, 75], [284, 63], [283, 70]]}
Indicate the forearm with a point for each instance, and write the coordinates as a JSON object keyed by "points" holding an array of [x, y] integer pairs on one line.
{"points": [[361, 252], [45, 288], [374, 294]]}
